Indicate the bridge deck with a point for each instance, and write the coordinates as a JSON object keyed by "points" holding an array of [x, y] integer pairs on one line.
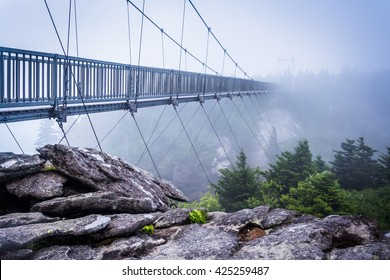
{"points": [[35, 85]]}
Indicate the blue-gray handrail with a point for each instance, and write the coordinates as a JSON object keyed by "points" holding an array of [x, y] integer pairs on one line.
{"points": [[30, 78]]}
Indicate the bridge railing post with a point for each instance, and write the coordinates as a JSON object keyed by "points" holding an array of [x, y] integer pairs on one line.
{"points": [[54, 77], [1, 77]]}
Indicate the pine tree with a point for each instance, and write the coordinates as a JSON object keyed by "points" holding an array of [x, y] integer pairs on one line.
{"points": [[319, 195], [237, 185], [384, 161], [291, 168], [320, 164], [354, 166]]}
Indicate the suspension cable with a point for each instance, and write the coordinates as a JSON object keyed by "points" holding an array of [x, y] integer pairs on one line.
{"points": [[66, 133], [177, 137], [216, 134], [69, 20], [230, 128], [146, 145], [76, 28], [192, 145], [129, 30], [109, 132], [162, 132], [197, 136], [216, 39], [182, 33], [162, 48], [139, 53], [151, 135], [171, 38], [250, 129], [73, 75], [258, 129], [16, 140]]}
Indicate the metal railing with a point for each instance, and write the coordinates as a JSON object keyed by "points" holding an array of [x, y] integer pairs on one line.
{"points": [[29, 78]]}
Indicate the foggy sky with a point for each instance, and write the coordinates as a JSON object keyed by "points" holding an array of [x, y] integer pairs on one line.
{"points": [[330, 35]]}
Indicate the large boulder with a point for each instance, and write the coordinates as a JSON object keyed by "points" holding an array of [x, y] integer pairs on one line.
{"points": [[103, 172], [195, 242], [21, 236], [13, 166], [19, 219], [41, 185], [310, 240], [100, 202], [125, 225]]}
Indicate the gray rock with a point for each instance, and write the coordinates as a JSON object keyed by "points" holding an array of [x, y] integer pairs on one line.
{"points": [[173, 217], [95, 202], [119, 249], [78, 252], [350, 231], [128, 247], [125, 224], [103, 172], [19, 219], [22, 254], [19, 237], [41, 185], [237, 220], [196, 242], [373, 251], [277, 217], [310, 240], [13, 166], [292, 243]]}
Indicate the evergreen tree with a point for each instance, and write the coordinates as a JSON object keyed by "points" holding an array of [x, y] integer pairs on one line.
{"points": [[319, 195], [354, 166], [384, 161], [320, 164], [291, 168], [237, 185]]}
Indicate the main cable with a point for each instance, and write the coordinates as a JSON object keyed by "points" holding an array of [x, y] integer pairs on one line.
{"points": [[216, 39], [171, 38]]}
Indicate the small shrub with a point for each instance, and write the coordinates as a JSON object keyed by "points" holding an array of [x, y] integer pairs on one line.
{"points": [[49, 167], [197, 216], [149, 229]]}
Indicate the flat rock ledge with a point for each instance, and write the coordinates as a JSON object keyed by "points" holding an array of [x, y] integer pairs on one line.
{"points": [[81, 204]]}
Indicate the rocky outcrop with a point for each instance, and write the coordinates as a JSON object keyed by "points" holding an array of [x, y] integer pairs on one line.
{"points": [[81, 204], [102, 172]]}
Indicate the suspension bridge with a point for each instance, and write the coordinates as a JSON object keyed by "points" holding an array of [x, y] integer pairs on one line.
{"points": [[37, 85]]}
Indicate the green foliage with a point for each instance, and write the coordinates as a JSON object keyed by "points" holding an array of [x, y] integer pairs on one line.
{"points": [[372, 203], [271, 193], [354, 166], [208, 201], [319, 195], [197, 216], [49, 167], [320, 164], [291, 168], [384, 169], [149, 229], [237, 184]]}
